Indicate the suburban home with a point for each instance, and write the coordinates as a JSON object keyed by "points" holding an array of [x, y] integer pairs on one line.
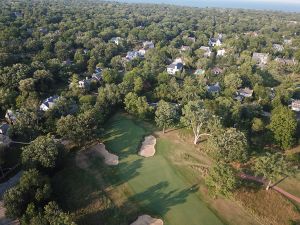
{"points": [[175, 67], [221, 52], [285, 61], [213, 89], [4, 128], [260, 58], [287, 41], [116, 40], [10, 116], [148, 44], [207, 51], [214, 42], [245, 92], [85, 84], [278, 47], [217, 71], [97, 77], [48, 103], [142, 52], [132, 55], [296, 105], [199, 72]]}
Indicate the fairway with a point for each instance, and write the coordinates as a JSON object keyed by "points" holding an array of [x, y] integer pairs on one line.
{"points": [[155, 184]]}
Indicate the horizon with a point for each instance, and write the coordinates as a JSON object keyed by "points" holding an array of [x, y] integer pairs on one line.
{"points": [[270, 5]]}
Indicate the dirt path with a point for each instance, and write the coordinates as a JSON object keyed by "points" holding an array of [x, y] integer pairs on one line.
{"points": [[265, 182]]}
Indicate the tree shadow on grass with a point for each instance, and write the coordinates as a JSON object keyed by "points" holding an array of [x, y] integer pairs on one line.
{"points": [[159, 199]]}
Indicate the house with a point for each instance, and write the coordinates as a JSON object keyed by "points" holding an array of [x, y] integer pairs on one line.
{"points": [[116, 40], [179, 60], [4, 128], [278, 47], [142, 52], [148, 44], [285, 61], [11, 116], [214, 42], [245, 92], [287, 41], [296, 105], [221, 52], [132, 55], [260, 58], [97, 77], [217, 71], [98, 70], [48, 103], [175, 67], [213, 89], [185, 48], [199, 72], [84, 84], [207, 51]]}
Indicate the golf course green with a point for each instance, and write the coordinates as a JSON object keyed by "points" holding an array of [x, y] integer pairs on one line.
{"points": [[156, 186]]}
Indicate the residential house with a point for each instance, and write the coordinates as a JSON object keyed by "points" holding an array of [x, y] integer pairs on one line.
{"points": [[278, 47], [48, 103], [285, 61], [97, 77], [287, 41], [207, 51], [116, 40], [217, 71], [221, 52], [142, 52], [296, 105], [4, 128], [148, 44], [132, 55], [214, 89], [260, 58], [11, 116], [214, 42], [174, 67], [245, 92], [84, 84]]}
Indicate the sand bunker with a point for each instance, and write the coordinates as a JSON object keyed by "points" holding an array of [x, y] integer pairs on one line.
{"points": [[82, 158], [148, 147], [147, 220]]}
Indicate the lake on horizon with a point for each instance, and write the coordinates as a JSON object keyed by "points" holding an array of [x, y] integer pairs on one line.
{"points": [[260, 5]]}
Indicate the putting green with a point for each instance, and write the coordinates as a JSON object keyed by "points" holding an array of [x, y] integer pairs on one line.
{"points": [[156, 185]]}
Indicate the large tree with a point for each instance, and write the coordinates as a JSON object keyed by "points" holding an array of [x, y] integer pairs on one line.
{"points": [[272, 167], [137, 105], [221, 180], [283, 125], [43, 152], [229, 145], [199, 119], [165, 114]]}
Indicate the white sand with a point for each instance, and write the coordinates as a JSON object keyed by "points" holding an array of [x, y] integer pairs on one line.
{"points": [[148, 147], [147, 220]]}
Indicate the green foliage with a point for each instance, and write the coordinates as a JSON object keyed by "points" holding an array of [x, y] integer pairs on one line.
{"points": [[229, 145], [283, 125], [273, 166], [221, 180], [137, 106], [43, 152], [32, 188], [165, 114]]}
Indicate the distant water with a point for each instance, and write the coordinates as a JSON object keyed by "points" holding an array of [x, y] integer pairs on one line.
{"points": [[245, 4]]}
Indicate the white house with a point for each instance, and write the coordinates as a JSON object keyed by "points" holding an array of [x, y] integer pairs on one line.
{"points": [[278, 47], [245, 92], [221, 52], [132, 55], [148, 44], [48, 103], [296, 105], [116, 40], [207, 51], [214, 42], [260, 58], [85, 84], [142, 52], [175, 67]]}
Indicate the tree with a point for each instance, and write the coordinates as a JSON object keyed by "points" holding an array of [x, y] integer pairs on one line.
{"points": [[32, 188], [197, 117], [42, 152], [136, 105], [272, 166], [283, 125], [229, 145], [165, 114], [56, 216], [221, 180]]}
